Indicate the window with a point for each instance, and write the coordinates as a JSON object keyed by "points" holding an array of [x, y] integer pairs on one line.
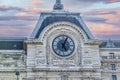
{"points": [[112, 55], [114, 77], [113, 67], [64, 77]]}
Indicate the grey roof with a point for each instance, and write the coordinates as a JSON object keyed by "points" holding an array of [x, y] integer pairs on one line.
{"points": [[59, 16], [10, 43], [110, 44], [12, 38]]}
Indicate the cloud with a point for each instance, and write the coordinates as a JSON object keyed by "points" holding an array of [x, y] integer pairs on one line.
{"points": [[104, 23], [8, 18], [7, 8], [36, 3], [12, 24], [95, 19], [100, 12], [104, 31], [83, 5], [36, 10], [104, 1], [6, 31], [111, 16], [33, 10], [111, 1], [22, 14]]}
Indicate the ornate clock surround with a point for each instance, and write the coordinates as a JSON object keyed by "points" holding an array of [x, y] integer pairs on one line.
{"points": [[68, 29], [56, 33]]}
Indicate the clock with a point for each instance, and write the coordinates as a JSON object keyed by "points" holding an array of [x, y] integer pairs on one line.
{"points": [[63, 45]]}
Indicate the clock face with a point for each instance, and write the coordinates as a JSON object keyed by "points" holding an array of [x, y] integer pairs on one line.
{"points": [[63, 45]]}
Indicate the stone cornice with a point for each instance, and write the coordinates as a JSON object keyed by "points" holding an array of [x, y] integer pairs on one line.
{"points": [[64, 70], [110, 71], [35, 41], [110, 60], [110, 49], [12, 70], [93, 42]]}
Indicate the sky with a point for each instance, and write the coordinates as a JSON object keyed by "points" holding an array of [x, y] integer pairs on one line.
{"points": [[18, 18]]}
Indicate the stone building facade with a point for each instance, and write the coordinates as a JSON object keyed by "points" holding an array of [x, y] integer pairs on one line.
{"points": [[61, 47]]}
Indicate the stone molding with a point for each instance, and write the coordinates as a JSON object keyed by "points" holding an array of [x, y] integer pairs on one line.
{"points": [[33, 42]]}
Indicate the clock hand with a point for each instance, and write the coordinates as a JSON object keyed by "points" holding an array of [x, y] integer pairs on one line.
{"points": [[63, 46], [65, 41]]}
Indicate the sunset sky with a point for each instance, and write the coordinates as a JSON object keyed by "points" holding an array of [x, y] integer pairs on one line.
{"points": [[19, 17]]}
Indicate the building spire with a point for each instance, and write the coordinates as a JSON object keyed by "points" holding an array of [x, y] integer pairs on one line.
{"points": [[58, 5]]}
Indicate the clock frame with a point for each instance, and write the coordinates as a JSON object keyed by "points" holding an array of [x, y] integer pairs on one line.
{"points": [[63, 45]]}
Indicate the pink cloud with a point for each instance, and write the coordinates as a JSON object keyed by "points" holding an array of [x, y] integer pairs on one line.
{"points": [[36, 3], [21, 14], [16, 31], [7, 8], [110, 27], [36, 10], [113, 17], [33, 10], [104, 1], [104, 29], [111, 1]]}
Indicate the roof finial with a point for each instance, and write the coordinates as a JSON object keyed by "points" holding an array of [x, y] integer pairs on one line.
{"points": [[58, 5]]}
